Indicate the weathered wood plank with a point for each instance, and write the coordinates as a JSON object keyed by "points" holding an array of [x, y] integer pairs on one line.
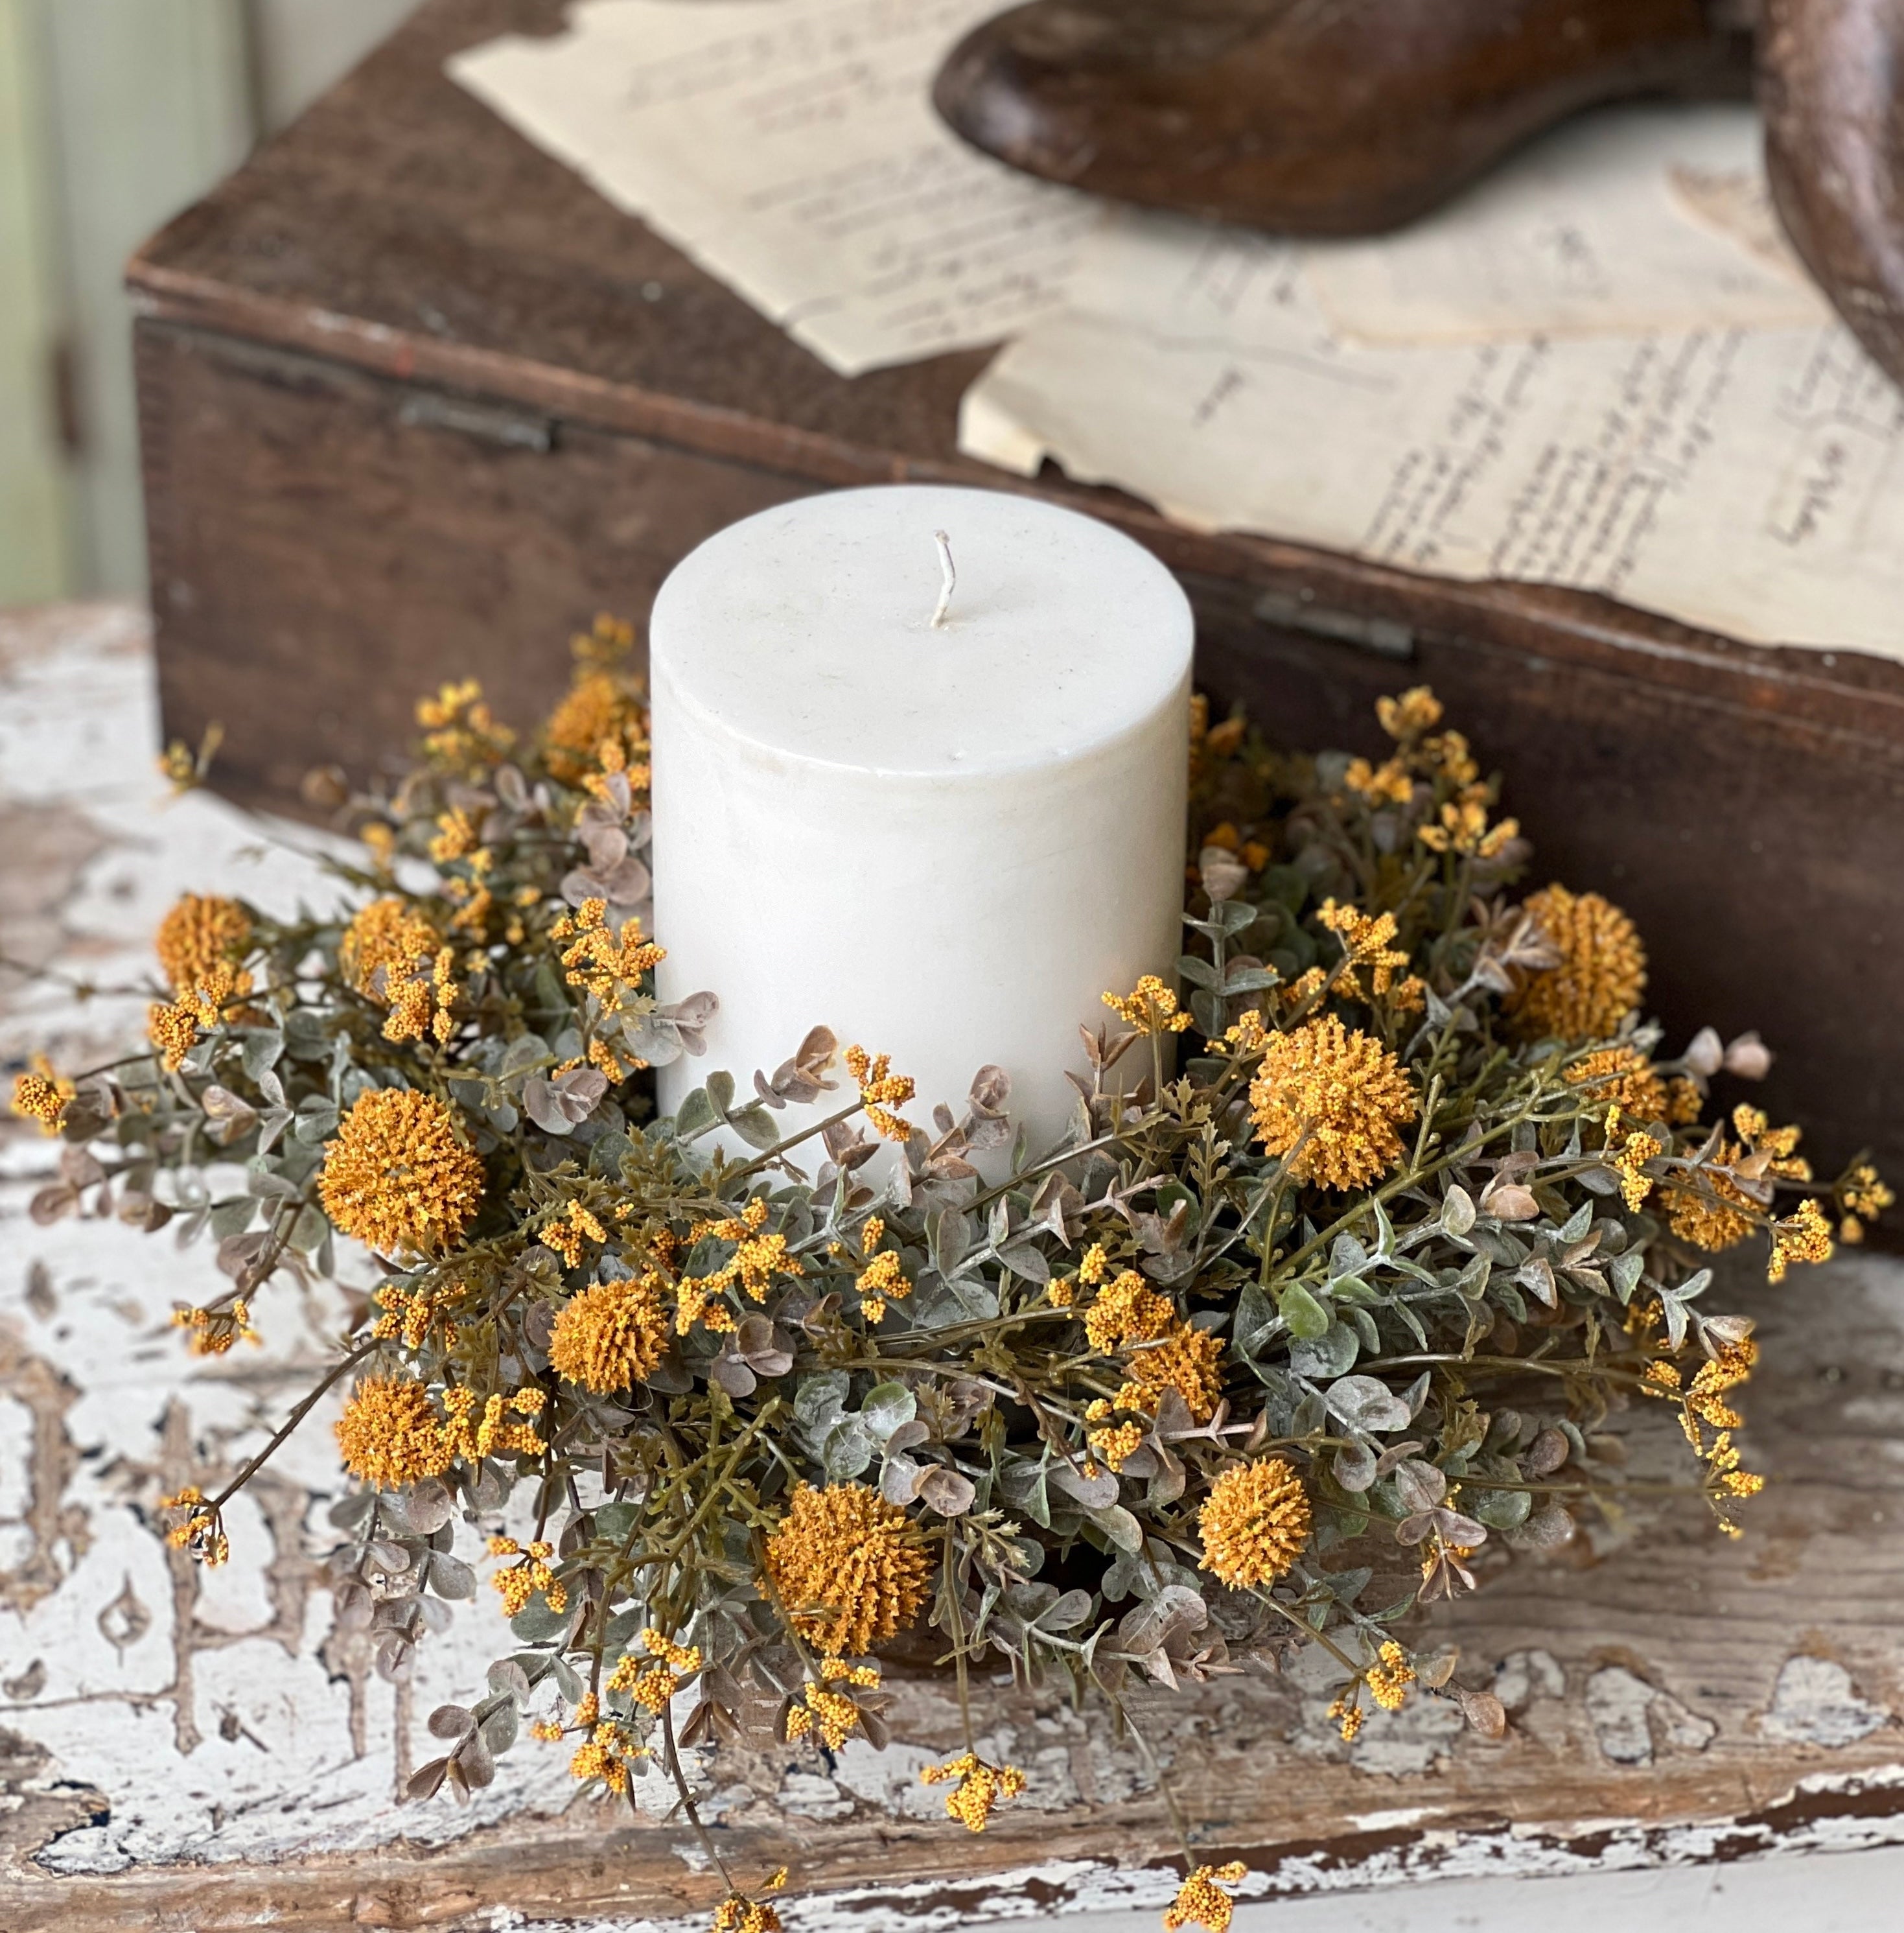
{"points": [[180, 1749]]}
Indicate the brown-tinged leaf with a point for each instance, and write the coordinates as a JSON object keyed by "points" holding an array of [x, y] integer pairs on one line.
{"points": [[946, 1491], [1484, 1713]]}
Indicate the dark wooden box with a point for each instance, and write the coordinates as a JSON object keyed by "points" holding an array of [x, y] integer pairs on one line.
{"points": [[415, 403]]}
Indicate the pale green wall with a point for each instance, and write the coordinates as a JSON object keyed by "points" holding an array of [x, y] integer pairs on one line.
{"points": [[114, 115], [149, 102], [36, 558]]}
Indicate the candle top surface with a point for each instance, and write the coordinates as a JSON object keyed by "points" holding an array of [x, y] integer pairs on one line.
{"points": [[807, 629]]}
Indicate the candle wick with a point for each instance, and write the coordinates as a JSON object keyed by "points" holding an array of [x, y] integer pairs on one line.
{"points": [[949, 577]]}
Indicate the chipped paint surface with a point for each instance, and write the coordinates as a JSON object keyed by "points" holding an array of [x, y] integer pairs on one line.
{"points": [[156, 1720], [1815, 1703]]}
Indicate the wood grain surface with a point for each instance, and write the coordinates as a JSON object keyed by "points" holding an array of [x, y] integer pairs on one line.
{"points": [[180, 1749], [416, 403]]}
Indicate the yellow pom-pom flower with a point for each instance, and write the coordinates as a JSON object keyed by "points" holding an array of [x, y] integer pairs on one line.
{"points": [[399, 1175], [613, 1335], [1332, 1100], [202, 932], [1601, 974], [391, 1435], [1255, 1522], [849, 1568]]}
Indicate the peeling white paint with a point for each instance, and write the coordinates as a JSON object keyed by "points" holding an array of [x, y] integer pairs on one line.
{"points": [[1525, 1675], [1815, 1703], [1630, 1717], [255, 1758]]}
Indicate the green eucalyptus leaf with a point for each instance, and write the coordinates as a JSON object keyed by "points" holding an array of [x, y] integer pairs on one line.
{"points": [[1306, 1318]]}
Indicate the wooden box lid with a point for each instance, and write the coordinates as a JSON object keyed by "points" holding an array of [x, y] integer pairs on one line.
{"points": [[401, 228], [1747, 803]]}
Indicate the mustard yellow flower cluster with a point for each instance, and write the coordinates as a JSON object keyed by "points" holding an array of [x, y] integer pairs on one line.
{"points": [[1388, 783], [408, 1314], [1461, 827], [883, 1278], [609, 1751], [460, 733], [506, 1427], [216, 1331], [653, 1681], [1629, 1160], [830, 1714], [981, 1786], [614, 1334], [1626, 1080], [848, 1567], [1367, 948], [1128, 1310], [1331, 1101], [1863, 1196], [607, 966], [1703, 1405], [881, 1091], [568, 1233], [521, 1582], [200, 1530], [392, 1434], [202, 932], [1150, 1007], [1803, 1236], [597, 715], [174, 1027], [1166, 1353], [390, 953], [1389, 1677], [1443, 758], [1255, 1523], [1114, 1444], [1600, 975], [758, 1258], [737, 1914], [38, 1097], [399, 1175], [1201, 1902], [1187, 1360], [1710, 1206]]}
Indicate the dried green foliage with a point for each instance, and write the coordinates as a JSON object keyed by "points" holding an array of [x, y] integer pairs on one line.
{"points": [[1320, 1303]]}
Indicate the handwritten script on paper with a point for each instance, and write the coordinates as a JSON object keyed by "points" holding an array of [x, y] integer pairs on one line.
{"points": [[791, 147], [1750, 481], [1615, 222]]}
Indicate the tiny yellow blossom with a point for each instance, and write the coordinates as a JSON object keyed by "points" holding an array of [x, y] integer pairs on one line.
{"points": [[980, 1787], [1255, 1523], [1151, 1007], [881, 1091], [1201, 1902]]}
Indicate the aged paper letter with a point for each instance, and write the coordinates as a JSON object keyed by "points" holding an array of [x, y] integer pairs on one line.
{"points": [[790, 146], [1750, 481], [1600, 227]]}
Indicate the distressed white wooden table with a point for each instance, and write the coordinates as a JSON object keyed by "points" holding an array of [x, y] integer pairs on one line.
{"points": [[182, 1749]]}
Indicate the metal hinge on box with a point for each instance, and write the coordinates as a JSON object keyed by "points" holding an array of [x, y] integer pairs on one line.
{"points": [[1383, 636]]}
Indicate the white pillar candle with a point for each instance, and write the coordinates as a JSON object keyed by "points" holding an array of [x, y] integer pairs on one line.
{"points": [[945, 843]]}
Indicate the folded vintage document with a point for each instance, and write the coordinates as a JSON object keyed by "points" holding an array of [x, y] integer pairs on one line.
{"points": [[1749, 480], [1635, 217], [791, 147], [1600, 367], [1609, 376]]}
